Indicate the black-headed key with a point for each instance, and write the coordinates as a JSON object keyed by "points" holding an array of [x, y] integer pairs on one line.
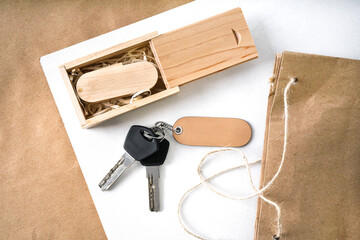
{"points": [[137, 147], [152, 165]]}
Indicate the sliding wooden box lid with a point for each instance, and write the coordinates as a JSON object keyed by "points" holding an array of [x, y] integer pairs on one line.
{"points": [[205, 47]]}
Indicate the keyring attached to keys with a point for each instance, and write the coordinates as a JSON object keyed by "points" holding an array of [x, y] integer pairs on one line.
{"points": [[150, 147]]}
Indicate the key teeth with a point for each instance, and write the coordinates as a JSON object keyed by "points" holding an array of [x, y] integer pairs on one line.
{"points": [[153, 174], [104, 186], [101, 184], [153, 197], [124, 163]]}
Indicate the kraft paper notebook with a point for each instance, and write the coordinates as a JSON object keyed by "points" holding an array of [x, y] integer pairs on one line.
{"points": [[318, 188]]}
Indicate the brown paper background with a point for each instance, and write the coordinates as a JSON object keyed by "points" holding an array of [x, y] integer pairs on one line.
{"points": [[42, 191], [318, 187]]}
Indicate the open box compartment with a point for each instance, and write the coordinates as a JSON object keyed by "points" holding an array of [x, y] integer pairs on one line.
{"points": [[109, 53]]}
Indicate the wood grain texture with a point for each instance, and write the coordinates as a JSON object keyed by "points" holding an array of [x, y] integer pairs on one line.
{"points": [[211, 131], [134, 105], [206, 47], [163, 76], [71, 91], [116, 80], [109, 52]]}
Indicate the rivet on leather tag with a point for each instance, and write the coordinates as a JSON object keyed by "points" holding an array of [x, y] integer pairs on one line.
{"points": [[211, 131]]}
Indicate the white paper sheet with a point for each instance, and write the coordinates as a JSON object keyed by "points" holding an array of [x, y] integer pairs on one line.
{"points": [[319, 27]]}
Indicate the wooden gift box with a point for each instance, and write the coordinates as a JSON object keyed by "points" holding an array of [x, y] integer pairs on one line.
{"points": [[182, 56]]}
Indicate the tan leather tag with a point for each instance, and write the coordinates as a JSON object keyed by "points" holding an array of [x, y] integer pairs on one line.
{"points": [[211, 131]]}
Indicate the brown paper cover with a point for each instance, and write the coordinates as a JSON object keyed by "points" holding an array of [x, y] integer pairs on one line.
{"points": [[318, 187], [43, 194]]}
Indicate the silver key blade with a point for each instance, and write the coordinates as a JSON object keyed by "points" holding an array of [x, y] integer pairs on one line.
{"points": [[125, 162], [153, 175]]}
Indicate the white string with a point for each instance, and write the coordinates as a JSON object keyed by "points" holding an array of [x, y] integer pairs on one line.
{"points": [[146, 91], [257, 192]]}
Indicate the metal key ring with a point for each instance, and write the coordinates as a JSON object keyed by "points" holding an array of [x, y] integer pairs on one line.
{"points": [[160, 134], [166, 126]]}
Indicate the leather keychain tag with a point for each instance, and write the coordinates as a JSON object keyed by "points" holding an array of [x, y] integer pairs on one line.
{"points": [[212, 131]]}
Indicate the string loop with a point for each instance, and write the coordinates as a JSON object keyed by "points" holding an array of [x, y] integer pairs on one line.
{"points": [[247, 164]]}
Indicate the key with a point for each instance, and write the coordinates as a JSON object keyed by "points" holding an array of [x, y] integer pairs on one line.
{"points": [[153, 164], [137, 147]]}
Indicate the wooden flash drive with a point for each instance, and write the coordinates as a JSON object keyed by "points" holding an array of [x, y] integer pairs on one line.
{"points": [[116, 80]]}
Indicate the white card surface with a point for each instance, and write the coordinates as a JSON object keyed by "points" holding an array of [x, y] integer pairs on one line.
{"points": [[327, 28]]}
